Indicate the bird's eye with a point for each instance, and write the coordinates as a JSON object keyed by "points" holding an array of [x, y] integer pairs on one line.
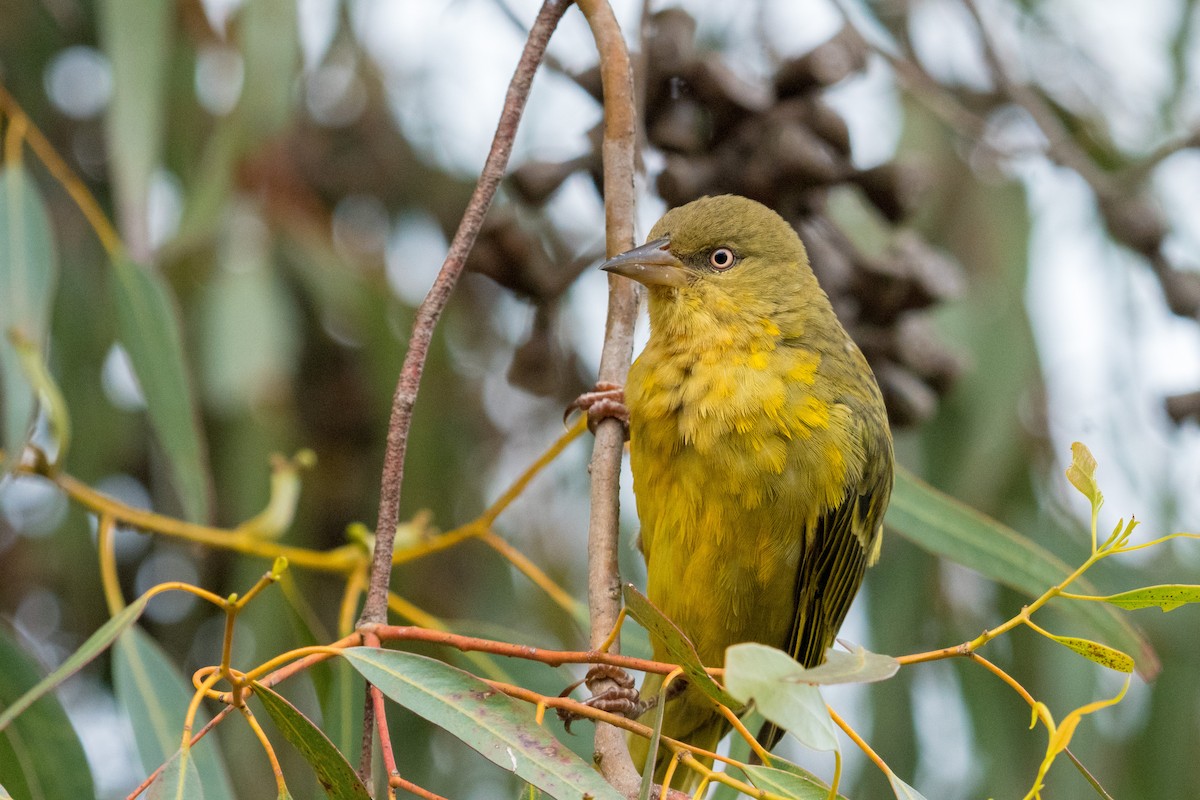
{"points": [[721, 258]]}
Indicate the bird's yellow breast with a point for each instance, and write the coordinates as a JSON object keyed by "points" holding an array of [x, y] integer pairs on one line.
{"points": [[734, 454]]}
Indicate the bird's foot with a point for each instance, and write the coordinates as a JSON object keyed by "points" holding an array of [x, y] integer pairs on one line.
{"points": [[621, 698], [604, 401]]}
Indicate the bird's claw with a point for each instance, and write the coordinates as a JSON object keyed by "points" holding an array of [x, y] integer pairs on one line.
{"points": [[604, 401], [621, 699]]}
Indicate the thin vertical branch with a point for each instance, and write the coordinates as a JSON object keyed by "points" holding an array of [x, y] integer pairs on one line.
{"points": [[619, 151], [428, 313]]}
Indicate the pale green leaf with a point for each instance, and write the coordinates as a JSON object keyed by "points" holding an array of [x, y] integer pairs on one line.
{"points": [[677, 645], [858, 665], [948, 528], [334, 773], [28, 270], [774, 682], [148, 327], [903, 790], [179, 780], [497, 726], [1082, 474], [41, 757], [156, 695], [96, 644], [136, 36], [787, 784], [1166, 596]]}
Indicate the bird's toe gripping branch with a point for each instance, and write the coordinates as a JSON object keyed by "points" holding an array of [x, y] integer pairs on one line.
{"points": [[622, 699], [604, 401]]}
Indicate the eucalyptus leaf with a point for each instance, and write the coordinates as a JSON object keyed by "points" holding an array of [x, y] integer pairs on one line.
{"points": [[334, 773], [903, 790], [179, 780], [1165, 596], [787, 784], [40, 754], [1100, 653], [156, 696], [948, 528], [677, 645], [485, 719], [148, 327], [774, 682], [28, 270], [96, 644]]}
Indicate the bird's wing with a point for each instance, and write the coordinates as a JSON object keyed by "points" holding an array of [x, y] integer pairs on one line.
{"points": [[845, 541]]}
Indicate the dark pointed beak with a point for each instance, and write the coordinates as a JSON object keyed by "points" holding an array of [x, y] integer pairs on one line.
{"points": [[651, 264]]}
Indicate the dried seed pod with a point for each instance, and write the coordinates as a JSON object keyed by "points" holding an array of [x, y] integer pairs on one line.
{"points": [[589, 80], [1182, 407], [894, 188], [670, 42], [1134, 221], [683, 126], [684, 179], [800, 156], [535, 181], [909, 401], [1181, 290], [918, 347], [831, 263], [537, 365], [827, 63]]}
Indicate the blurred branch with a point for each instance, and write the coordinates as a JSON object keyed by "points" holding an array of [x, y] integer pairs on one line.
{"points": [[428, 313], [619, 153]]}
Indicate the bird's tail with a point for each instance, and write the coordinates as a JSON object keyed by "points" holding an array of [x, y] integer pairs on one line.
{"points": [[690, 718]]}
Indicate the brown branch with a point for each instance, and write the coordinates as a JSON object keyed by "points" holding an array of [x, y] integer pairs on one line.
{"points": [[375, 606], [619, 155], [553, 658]]}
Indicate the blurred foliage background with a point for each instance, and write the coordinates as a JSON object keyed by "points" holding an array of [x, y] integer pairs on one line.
{"points": [[999, 197]]}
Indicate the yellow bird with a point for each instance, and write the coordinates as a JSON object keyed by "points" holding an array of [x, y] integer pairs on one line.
{"points": [[761, 455]]}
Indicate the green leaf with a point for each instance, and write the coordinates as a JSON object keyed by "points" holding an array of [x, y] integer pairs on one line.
{"points": [[677, 645], [1082, 474], [179, 780], [156, 695], [269, 33], [497, 726], [40, 755], [787, 784], [857, 665], [96, 644], [333, 771], [950, 529], [4, 795], [136, 37], [1100, 653], [903, 790], [28, 270], [148, 327], [775, 683], [1168, 597]]}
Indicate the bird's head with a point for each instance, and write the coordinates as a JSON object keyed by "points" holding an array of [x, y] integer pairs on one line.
{"points": [[721, 254]]}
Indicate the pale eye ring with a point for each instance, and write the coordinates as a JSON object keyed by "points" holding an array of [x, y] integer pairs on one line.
{"points": [[722, 258]]}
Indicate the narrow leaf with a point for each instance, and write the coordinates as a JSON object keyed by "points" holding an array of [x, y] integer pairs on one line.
{"points": [[333, 771], [155, 695], [28, 268], [950, 529], [787, 784], [96, 644], [179, 780], [1168, 597], [677, 645], [1082, 474], [148, 327], [483, 718], [1100, 653], [903, 790], [40, 754], [774, 682], [136, 36]]}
